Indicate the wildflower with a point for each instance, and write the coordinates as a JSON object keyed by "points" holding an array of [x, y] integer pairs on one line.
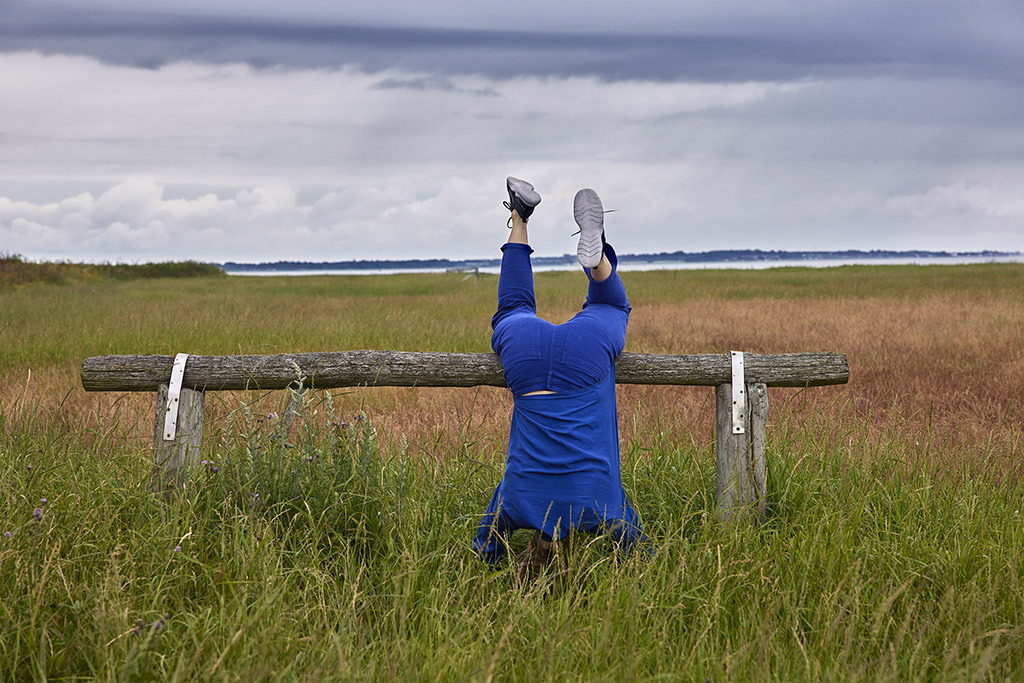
{"points": [[177, 548], [38, 514], [7, 534], [138, 628], [43, 502], [270, 416], [159, 624], [29, 467]]}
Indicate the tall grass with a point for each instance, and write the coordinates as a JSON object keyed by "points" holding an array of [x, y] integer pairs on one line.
{"points": [[337, 547], [327, 553]]}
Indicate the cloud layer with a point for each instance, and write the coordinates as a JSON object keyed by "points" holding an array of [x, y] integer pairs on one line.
{"points": [[394, 142]]}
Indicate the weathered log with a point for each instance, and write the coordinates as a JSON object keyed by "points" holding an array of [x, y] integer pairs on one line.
{"points": [[434, 369]]}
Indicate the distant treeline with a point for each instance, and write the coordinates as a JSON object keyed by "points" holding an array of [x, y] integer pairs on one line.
{"points": [[719, 256], [14, 271]]}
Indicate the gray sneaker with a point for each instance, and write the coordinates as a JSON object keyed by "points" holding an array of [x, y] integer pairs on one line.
{"points": [[589, 214], [522, 198]]}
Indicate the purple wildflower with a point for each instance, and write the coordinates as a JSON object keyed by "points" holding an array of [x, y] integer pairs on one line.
{"points": [[7, 534], [38, 514], [43, 502], [270, 416], [177, 548]]}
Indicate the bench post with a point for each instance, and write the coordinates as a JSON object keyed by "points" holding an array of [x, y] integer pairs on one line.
{"points": [[171, 457], [739, 458]]}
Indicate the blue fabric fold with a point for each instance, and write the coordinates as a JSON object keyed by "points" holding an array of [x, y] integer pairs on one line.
{"points": [[562, 472]]}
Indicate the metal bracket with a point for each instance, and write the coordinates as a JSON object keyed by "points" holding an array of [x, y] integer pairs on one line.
{"points": [[173, 394], [739, 393]]}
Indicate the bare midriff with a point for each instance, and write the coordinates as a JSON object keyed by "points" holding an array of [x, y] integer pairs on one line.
{"points": [[538, 393]]}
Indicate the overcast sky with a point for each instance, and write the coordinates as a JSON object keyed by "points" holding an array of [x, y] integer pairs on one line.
{"points": [[148, 131]]}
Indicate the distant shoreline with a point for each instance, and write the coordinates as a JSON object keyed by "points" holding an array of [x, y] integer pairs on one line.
{"points": [[722, 257]]}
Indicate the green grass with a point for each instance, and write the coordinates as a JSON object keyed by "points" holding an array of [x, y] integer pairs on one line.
{"points": [[893, 548], [353, 562]]}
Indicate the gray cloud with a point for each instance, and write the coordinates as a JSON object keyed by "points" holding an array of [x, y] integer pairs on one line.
{"points": [[328, 131], [672, 42]]}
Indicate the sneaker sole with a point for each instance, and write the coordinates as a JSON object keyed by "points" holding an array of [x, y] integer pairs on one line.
{"points": [[524, 190], [589, 214]]}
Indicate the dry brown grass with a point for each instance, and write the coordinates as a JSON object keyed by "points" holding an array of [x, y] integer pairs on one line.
{"points": [[940, 374]]}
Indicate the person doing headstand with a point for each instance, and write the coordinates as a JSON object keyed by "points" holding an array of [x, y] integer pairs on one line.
{"points": [[562, 467]]}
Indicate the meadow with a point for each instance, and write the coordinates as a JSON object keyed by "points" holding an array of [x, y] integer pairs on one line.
{"points": [[337, 547]]}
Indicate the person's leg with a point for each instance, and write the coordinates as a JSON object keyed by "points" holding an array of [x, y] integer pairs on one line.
{"points": [[594, 254], [515, 282], [597, 334], [603, 271], [605, 284], [518, 233]]}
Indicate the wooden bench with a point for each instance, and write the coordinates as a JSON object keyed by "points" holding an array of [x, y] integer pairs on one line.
{"points": [[739, 423]]}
